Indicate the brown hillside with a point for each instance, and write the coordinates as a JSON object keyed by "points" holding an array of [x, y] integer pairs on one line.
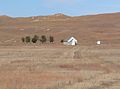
{"points": [[87, 29]]}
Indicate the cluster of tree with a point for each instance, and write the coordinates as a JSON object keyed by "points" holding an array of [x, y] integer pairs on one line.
{"points": [[35, 39]]}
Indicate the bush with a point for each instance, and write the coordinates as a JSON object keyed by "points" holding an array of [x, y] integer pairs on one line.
{"points": [[62, 41], [51, 39]]}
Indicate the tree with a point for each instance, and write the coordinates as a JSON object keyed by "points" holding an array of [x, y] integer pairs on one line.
{"points": [[23, 39], [43, 39], [27, 39], [35, 39], [51, 39]]}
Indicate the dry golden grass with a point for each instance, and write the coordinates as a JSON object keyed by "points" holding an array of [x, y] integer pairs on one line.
{"points": [[60, 67], [53, 66]]}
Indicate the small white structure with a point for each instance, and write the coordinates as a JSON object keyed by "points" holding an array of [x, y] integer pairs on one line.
{"points": [[98, 42], [71, 41]]}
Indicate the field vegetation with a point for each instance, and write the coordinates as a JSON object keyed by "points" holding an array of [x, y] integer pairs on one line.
{"points": [[60, 67]]}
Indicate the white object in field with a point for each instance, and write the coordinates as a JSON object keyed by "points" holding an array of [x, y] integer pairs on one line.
{"points": [[98, 42], [71, 41]]}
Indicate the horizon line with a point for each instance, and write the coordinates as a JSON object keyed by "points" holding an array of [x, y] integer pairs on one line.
{"points": [[92, 14]]}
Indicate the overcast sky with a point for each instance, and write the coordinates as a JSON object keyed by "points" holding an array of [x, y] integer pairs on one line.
{"points": [[69, 7]]}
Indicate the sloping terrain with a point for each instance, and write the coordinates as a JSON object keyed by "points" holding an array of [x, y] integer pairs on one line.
{"points": [[54, 66], [87, 29]]}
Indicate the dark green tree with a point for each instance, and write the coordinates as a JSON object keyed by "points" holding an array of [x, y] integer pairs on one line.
{"points": [[27, 39], [43, 39], [35, 39], [51, 38]]}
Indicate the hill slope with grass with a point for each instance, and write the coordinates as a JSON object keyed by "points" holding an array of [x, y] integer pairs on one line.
{"points": [[87, 29]]}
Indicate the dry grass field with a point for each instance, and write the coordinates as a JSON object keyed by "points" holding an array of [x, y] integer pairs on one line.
{"points": [[55, 66], [60, 67]]}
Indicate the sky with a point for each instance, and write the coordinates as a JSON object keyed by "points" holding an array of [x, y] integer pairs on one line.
{"points": [[26, 8]]}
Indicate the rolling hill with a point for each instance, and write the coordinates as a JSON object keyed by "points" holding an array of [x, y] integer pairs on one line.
{"points": [[87, 29]]}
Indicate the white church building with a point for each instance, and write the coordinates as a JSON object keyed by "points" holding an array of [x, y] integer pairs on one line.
{"points": [[71, 41]]}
